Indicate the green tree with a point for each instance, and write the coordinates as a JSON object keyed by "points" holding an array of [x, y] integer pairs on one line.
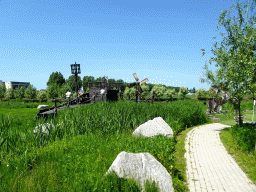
{"points": [[159, 90], [63, 90], [2, 91], [52, 91], [57, 78], [101, 79], [237, 64], [41, 95], [254, 2], [30, 92], [177, 89], [252, 89], [170, 93], [200, 93], [122, 86], [183, 91], [71, 81], [129, 92], [20, 92], [145, 89], [112, 81], [86, 80], [16, 92], [9, 94]]}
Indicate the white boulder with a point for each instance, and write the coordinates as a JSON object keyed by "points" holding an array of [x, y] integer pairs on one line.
{"points": [[142, 167], [154, 127]]}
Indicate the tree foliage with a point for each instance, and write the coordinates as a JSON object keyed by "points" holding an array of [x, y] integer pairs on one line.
{"points": [[129, 92], [177, 89], [159, 90], [63, 90], [57, 78], [52, 91], [30, 92], [200, 93], [41, 95], [19, 92], [235, 57], [71, 81], [192, 90], [9, 94], [86, 80], [145, 89], [2, 91], [170, 93], [183, 92]]}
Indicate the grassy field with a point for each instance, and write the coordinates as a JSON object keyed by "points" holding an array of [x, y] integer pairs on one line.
{"points": [[76, 154]]}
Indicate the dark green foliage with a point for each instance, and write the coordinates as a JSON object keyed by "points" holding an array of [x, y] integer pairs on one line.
{"points": [[244, 136], [71, 81], [57, 78], [86, 80]]}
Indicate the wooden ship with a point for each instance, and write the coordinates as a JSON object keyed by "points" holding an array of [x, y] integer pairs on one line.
{"points": [[98, 91], [103, 91]]}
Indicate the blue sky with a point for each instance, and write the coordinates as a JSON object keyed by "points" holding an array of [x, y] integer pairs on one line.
{"points": [[160, 40]]}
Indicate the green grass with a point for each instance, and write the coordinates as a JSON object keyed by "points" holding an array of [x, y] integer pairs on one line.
{"points": [[76, 155]]}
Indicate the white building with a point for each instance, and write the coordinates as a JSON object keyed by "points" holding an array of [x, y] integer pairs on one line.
{"points": [[14, 84], [191, 94]]}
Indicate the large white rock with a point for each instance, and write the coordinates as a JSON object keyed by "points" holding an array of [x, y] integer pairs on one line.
{"points": [[154, 127], [142, 167], [42, 106]]}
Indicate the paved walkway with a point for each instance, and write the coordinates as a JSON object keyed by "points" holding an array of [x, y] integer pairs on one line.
{"points": [[209, 166]]}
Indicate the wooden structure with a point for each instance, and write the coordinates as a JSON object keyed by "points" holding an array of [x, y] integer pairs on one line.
{"points": [[98, 91], [81, 99], [139, 89], [103, 91]]}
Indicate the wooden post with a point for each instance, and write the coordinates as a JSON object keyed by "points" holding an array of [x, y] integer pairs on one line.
{"points": [[137, 97], [121, 95], [153, 97], [55, 109]]}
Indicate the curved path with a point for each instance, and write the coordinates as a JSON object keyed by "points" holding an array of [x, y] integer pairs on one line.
{"points": [[209, 166]]}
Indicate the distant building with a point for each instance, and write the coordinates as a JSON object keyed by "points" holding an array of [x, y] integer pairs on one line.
{"points": [[43, 89], [14, 84]]}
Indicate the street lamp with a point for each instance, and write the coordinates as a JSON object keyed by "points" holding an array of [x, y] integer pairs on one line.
{"points": [[75, 69]]}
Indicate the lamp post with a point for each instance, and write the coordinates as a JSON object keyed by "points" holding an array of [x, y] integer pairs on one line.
{"points": [[75, 69]]}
